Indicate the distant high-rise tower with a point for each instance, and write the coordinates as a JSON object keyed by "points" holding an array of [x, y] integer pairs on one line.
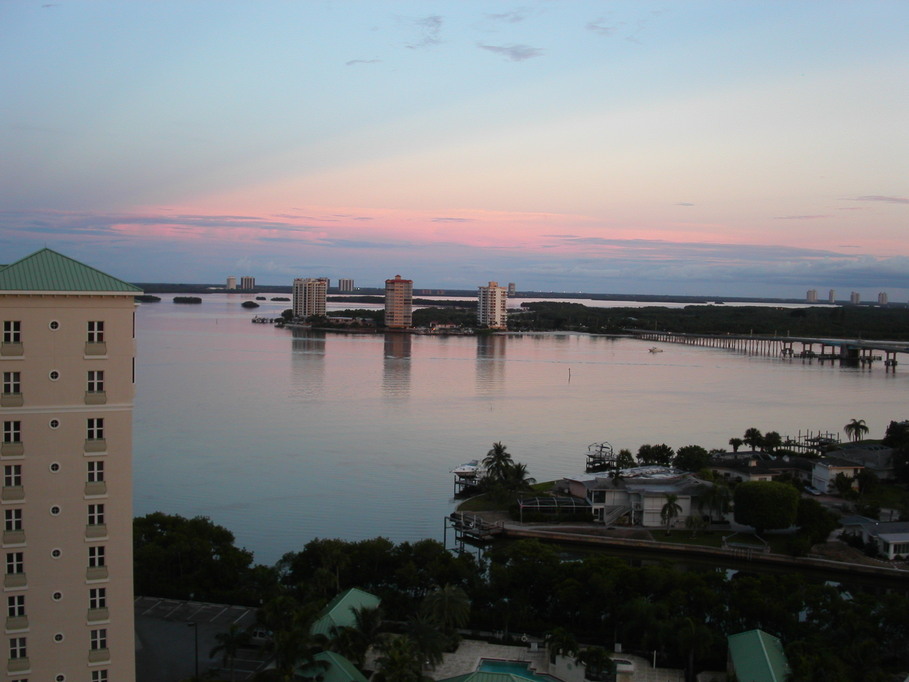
{"points": [[309, 296], [491, 306], [345, 285], [811, 296], [231, 283], [248, 283], [855, 298], [68, 362], [882, 298], [511, 289], [398, 303], [831, 297]]}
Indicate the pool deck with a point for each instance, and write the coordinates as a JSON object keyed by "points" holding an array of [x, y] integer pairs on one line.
{"points": [[467, 658]]}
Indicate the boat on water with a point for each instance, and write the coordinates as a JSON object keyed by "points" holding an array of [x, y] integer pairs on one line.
{"points": [[654, 349], [468, 469]]}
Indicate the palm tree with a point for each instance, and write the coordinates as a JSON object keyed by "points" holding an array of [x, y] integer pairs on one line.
{"points": [[736, 443], [753, 438], [429, 641], [856, 429], [516, 479], [497, 462], [560, 642], [354, 641], [399, 661], [597, 663], [447, 607], [670, 510], [716, 499], [228, 645]]}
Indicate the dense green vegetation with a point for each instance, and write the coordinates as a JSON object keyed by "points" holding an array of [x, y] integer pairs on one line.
{"points": [[830, 633], [839, 322]]}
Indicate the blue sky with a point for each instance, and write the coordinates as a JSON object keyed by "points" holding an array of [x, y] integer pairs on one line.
{"points": [[715, 148]]}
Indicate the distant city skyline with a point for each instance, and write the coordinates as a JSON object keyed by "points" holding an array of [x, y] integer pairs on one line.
{"points": [[707, 148]]}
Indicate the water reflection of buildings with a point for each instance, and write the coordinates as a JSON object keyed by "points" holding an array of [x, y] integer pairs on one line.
{"points": [[490, 363], [396, 367], [308, 362]]}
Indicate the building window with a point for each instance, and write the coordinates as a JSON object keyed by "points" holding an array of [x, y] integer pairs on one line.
{"points": [[15, 562], [97, 598], [95, 514], [12, 519], [99, 676], [95, 331], [17, 647], [12, 475], [99, 638], [95, 381], [11, 383], [95, 428], [54, 325], [95, 472], [11, 329], [12, 432], [15, 605], [96, 556]]}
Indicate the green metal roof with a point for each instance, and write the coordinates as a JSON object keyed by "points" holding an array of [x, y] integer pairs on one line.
{"points": [[758, 657], [338, 669], [340, 610], [47, 270]]}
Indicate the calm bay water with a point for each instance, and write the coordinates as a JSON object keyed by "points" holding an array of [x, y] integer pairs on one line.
{"points": [[285, 436]]}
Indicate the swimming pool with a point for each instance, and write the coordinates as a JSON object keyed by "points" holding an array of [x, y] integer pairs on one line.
{"points": [[518, 668]]}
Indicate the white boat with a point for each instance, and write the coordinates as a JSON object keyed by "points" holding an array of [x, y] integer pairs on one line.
{"points": [[654, 349], [468, 469]]}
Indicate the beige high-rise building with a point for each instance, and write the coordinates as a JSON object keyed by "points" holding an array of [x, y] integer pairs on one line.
{"points": [[855, 298], [68, 363], [398, 303], [247, 283], [310, 295], [492, 306], [231, 283], [345, 285], [811, 296]]}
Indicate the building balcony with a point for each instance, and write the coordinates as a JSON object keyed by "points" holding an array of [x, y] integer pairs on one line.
{"points": [[99, 655], [95, 349], [11, 400], [18, 665], [95, 531], [94, 489], [95, 445], [14, 449], [12, 493], [96, 573], [95, 397], [13, 537], [16, 623], [15, 581], [11, 350], [98, 615]]}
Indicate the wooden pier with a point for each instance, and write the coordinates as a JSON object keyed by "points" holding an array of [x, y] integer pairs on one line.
{"points": [[472, 529], [845, 351]]}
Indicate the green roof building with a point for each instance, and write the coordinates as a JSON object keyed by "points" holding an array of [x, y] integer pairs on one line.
{"points": [[755, 656], [47, 271], [340, 611], [332, 667]]}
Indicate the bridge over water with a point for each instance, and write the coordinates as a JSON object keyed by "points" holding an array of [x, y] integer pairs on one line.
{"points": [[849, 351]]}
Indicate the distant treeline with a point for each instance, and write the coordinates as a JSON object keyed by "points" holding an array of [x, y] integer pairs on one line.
{"points": [[840, 322]]}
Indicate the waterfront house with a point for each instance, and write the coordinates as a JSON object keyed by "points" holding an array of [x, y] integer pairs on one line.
{"points": [[637, 496], [825, 470], [891, 538], [759, 466]]}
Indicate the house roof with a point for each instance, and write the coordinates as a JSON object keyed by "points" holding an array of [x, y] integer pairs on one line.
{"points": [[47, 270], [758, 657], [334, 668], [340, 610]]}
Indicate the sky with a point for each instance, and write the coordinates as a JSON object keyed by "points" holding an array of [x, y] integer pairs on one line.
{"points": [[679, 147]]}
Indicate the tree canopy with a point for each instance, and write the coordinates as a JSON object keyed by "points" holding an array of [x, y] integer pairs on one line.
{"points": [[765, 505]]}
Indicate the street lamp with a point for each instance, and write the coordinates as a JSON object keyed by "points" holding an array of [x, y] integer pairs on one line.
{"points": [[195, 627]]}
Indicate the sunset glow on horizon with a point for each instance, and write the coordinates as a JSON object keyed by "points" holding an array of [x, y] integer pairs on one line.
{"points": [[700, 148]]}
